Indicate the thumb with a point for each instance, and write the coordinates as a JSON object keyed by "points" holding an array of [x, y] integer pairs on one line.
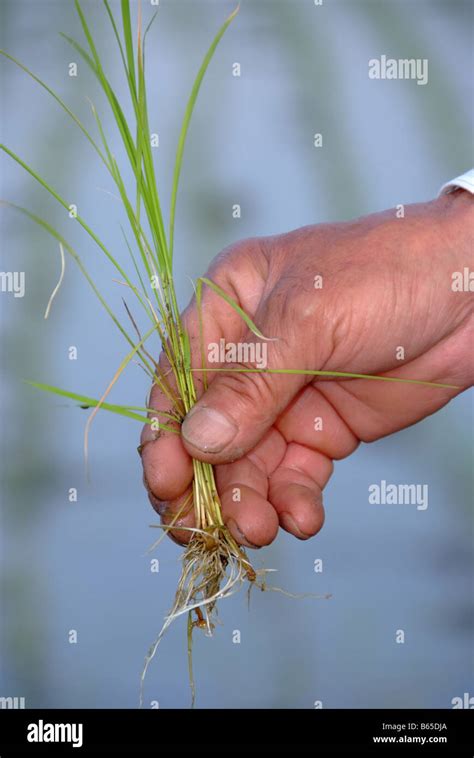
{"points": [[238, 408]]}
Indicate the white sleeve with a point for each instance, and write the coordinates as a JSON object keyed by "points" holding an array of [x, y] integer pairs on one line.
{"points": [[465, 181]]}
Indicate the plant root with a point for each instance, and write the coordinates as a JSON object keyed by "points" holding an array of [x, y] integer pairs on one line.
{"points": [[214, 566]]}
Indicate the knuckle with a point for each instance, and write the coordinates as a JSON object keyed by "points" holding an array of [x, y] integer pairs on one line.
{"points": [[234, 257], [251, 390]]}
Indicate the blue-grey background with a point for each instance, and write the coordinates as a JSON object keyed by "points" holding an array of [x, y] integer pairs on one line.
{"points": [[82, 565]]}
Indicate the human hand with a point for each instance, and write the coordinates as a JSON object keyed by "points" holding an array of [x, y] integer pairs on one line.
{"points": [[386, 285]]}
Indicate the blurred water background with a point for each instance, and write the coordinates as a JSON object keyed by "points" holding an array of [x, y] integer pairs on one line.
{"points": [[82, 565]]}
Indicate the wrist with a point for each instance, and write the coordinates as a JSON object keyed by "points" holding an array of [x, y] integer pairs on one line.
{"points": [[453, 215]]}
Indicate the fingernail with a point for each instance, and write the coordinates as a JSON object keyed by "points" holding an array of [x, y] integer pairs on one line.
{"points": [[207, 429], [289, 524], [239, 535], [159, 506]]}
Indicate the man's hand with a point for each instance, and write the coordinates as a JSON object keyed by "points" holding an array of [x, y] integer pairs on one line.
{"points": [[386, 285]]}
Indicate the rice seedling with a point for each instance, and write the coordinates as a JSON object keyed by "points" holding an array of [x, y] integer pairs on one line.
{"points": [[214, 565]]}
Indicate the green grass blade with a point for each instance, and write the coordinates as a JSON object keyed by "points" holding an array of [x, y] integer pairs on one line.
{"points": [[91, 402], [201, 331], [104, 82], [58, 100], [123, 365], [117, 36], [149, 25], [237, 309], [129, 68], [148, 190], [79, 49], [155, 216], [334, 374], [54, 233], [187, 118], [127, 33], [88, 402], [62, 202], [147, 193], [103, 138], [137, 269]]}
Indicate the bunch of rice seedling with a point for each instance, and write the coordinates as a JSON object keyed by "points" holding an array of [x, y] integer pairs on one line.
{"points": [[214, 565]]}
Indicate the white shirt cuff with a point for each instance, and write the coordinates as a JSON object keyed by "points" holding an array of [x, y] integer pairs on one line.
{"points": [[465, 181]]}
